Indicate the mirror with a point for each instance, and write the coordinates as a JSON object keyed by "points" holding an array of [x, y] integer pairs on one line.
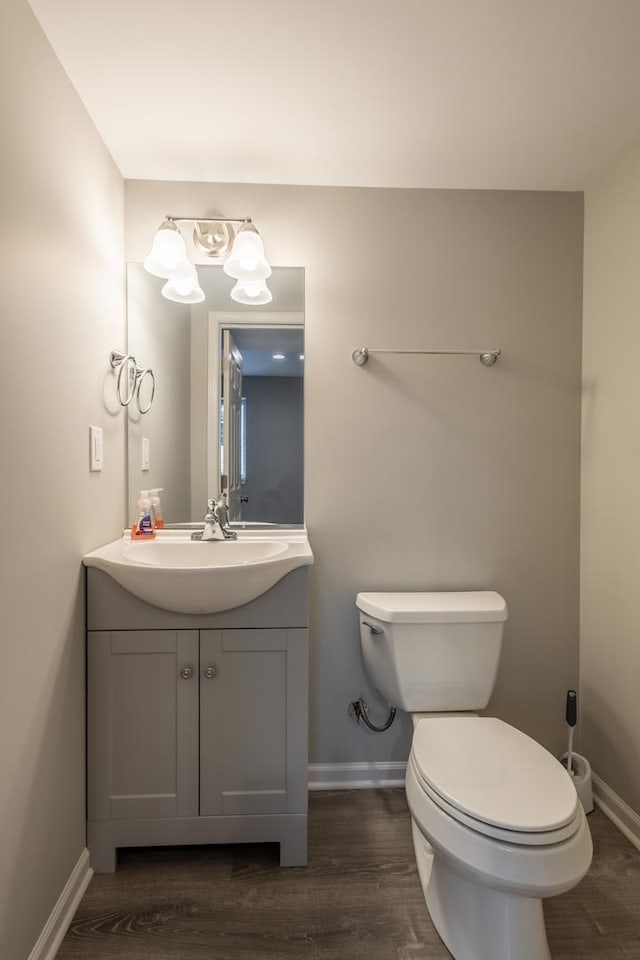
{"points": [[227, 413]]}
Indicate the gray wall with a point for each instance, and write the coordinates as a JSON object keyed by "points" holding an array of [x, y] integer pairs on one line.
{"points": [[274, 449], [429, 473], [61, 249], [610, 652]]}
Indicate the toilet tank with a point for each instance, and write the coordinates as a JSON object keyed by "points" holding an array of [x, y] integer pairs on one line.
{"points": [[428, 652]]}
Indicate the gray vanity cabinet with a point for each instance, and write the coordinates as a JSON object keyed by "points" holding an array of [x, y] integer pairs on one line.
{"points": [[197, 726], [143, 724], [248, 687]]}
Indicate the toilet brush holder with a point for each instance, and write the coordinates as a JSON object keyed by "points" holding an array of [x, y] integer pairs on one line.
{"points": [[581, 770]]}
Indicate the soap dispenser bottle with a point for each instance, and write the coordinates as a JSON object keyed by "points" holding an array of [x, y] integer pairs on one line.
{"points": [[156, 507], [143, 527]]}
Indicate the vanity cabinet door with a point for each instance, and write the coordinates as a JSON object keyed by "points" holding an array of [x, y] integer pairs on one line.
{"points": [[143, 724], [243, 721]]}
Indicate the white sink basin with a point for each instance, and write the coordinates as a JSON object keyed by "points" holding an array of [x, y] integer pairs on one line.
{"points": [[194, 555], [187, 576]]}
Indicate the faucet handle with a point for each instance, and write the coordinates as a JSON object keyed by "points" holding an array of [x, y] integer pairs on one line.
{"points": [[211, 504]]}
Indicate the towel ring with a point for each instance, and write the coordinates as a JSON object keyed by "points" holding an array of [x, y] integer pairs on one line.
{"points": [[140, 375], [122, 361]]}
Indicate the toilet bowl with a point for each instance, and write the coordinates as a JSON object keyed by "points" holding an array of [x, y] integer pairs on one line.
{"points": [[497, 827], [496, 821]]}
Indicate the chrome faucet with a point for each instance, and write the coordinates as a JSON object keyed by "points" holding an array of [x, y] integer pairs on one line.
{"points": [[212, 529], [222, 516], [216, 525]]}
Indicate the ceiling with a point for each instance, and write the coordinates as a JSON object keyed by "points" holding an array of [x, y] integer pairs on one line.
{"points": [[271, 353], [511, 94]]}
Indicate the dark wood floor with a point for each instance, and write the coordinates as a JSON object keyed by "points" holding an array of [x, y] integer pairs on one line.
{"points": [[359, 898]]}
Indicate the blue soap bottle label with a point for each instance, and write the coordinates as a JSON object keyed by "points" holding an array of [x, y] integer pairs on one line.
{"points": [[146, 526]]}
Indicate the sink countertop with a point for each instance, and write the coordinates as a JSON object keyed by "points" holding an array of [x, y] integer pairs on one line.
{"points": [[176, 573]]}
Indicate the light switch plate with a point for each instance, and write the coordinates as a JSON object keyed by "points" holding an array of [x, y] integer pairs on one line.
{"points": [[146, 453], [96, 454]]}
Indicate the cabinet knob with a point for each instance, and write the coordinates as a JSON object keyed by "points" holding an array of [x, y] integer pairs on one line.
{"points": [[209, 672], [186, 673]]}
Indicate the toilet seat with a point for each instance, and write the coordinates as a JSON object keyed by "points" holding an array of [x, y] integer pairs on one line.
{"points": [[495, 780], [531, 838]]}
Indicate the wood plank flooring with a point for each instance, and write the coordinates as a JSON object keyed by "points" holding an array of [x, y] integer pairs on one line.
{"points": [[359, 898]]}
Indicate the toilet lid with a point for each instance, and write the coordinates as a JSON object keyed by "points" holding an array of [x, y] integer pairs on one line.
{"points": [[470, 606], [493, 773]]}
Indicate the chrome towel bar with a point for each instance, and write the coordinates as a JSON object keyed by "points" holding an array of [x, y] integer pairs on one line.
{"points": [[487, 357]]}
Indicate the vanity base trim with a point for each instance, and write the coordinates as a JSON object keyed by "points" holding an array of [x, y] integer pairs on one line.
{"points": [[289, 830]]}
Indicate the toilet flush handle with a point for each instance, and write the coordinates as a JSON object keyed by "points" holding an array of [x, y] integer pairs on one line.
{"points": [[374, 630]]}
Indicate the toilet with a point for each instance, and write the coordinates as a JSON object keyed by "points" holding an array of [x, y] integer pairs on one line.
{"points": [[496, 821]]}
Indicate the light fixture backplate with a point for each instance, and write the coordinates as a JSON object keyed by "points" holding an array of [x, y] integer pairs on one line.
{"points": [[213, 239]]}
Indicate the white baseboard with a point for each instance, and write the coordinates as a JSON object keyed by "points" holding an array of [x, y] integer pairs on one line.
{"points": [[62, 914], [362, 776], [620, 813], [355, 776]]}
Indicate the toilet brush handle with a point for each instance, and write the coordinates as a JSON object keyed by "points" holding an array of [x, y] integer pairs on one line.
{"points": [[571, 717], [571, 713]]}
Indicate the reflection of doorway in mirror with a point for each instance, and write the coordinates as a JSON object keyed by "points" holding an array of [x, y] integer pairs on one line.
{"points": [[231, 405], [243, 443], [261, 455]]}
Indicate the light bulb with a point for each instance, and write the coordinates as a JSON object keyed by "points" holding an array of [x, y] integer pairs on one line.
{"points": [[168, 251], [247, 261], [249, 250], [184, 288], [169, 248]]}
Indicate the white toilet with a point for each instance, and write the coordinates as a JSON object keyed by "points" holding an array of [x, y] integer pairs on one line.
{"points": [[496, 820]]}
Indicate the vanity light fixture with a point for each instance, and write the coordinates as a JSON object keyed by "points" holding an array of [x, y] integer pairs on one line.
{"points": [[214, 237], [247, 261], [168, 253]]}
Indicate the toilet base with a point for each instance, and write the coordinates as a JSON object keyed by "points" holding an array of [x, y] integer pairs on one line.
{"points": [[476, 921]]}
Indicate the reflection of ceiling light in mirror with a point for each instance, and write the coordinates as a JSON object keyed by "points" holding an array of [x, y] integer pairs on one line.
{"points": [[251, 292], [247, 261], [301, 356], [168, 251], [185, 288], [278, 356]]}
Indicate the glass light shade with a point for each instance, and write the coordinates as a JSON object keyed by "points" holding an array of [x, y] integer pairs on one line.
{"points": [[247, 260], [252, 292], [185, 288], [168, 252]]}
